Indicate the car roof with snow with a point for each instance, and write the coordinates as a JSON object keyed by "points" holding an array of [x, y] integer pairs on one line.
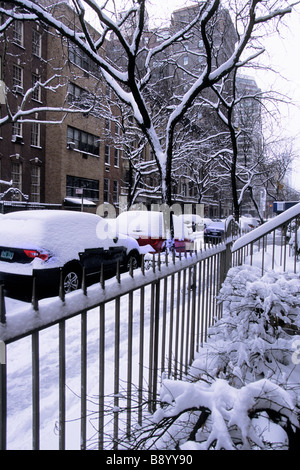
{"points": [[64, 233]]}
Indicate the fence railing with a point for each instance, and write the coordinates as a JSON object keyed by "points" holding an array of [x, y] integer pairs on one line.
{"points": [[144, 324], [83, 370], [273, 245]]}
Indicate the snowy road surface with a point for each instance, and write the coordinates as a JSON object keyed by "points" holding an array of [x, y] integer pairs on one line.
{"points": [[19, 370]]}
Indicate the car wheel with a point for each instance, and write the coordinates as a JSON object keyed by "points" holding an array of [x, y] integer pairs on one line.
{"points": [[71, 278], [134, 259]]}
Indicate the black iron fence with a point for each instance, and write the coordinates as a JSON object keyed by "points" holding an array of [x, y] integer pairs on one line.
{"points": [[130, 331]]}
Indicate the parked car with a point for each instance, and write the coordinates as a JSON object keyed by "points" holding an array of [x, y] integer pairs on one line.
{"points": [[150, 231], [193, 222], [46, 242], [214, 232], [248, 223], [195, 226]]}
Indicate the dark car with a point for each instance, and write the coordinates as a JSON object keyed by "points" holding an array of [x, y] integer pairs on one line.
{"points": [[47, 243], [214, 232]]}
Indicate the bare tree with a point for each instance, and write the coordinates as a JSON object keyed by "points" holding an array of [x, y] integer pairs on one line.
{"points": [[129, 81]]}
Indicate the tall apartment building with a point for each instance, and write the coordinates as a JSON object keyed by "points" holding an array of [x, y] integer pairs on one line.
{"points": [[63, 158], [53, 157], [23, 55]]}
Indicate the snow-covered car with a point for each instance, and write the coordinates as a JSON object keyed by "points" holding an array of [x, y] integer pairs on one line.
{"points": [[150, 229], [248, 223], [45, 243], [195, 226], [193, 222], [214, 232]]}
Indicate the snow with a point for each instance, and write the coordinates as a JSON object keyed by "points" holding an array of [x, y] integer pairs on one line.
{"points": [[229, 402], [246, 365], [63, 234]]}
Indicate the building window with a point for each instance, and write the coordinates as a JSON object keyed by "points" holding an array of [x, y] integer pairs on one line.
{"points": [[107, 155], [36, 43], [17, 129], [116, 159], [107, 126], [83, 141], [35, 189], [116, 192], [16, 176], [106, 190], [17, 78], [35, 134], [90, 187], [82, 60], [36, 92], [75, 94], [18, 33]]}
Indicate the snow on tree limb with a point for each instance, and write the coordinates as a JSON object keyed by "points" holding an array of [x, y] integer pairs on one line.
{"points": [[130, 86]]}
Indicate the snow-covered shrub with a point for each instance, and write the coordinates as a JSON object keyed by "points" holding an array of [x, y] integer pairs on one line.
{"points": [[255, 337], [243, 388]]}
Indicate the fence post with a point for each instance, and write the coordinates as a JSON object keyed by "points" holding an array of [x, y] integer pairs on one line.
{"points": [[3, 406], [225, 262], [34, 299], [155, 345], [2, 305]]}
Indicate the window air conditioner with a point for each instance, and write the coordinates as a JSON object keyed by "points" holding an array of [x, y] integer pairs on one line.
{"points": [[17, 89], [71, 145], [17, 139]]}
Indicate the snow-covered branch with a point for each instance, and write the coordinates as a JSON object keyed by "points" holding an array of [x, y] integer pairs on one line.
{"points": [[241, 391], [134, 77]]}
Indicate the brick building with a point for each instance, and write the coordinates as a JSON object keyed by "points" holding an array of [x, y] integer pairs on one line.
{"points": [[23, 50], [62, 154]]}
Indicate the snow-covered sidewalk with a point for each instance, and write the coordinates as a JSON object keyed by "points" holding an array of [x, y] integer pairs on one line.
{"points": [[19, 369]]}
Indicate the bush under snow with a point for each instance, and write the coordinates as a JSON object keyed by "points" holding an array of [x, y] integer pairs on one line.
{"points": [[243, 387]]}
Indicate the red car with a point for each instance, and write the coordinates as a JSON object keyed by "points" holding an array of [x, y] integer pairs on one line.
{"points": [[150, 228]]}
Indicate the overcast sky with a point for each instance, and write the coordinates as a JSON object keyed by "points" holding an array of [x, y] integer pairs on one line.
{"points": [[283, 54]]}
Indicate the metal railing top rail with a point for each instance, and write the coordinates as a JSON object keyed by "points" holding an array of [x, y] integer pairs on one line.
{"points": [[50, 311], [267, 228]]}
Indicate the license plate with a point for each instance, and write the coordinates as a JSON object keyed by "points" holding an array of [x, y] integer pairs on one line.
{"points": [[7, 255]]}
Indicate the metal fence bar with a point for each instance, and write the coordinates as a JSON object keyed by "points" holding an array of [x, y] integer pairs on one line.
{"points": [[181, 328], [62, 384], [116, 372], [3, 397], [151, 336], [35, 392], [188, 320], [156, 344], [171, 323], [193, 316], [181, 311], [202, 329], [198, 340], [164, 325], [101, 375], [83, 414], [177, 327], [129, 362], [141, 354]]}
